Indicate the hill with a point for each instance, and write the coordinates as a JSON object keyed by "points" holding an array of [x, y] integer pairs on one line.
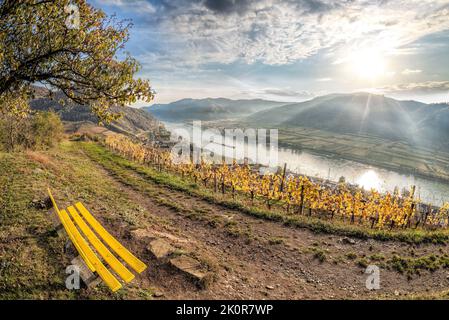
{"points": [[364, 114], [209, 109], [134, 121]]}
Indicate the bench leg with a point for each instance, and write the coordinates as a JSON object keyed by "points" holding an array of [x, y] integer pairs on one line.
{"points": [[89, 278], [59, 228]]}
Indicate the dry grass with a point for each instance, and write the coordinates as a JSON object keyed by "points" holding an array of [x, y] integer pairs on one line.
{"points": [[40, 158]]}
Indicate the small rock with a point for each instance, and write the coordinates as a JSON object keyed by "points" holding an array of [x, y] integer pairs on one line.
{"points": [[396, 292], [140, 234], [270, 287], [41, 203], [160, 248], [189, 265], [37, 170], [348, 241], [158, 294]]}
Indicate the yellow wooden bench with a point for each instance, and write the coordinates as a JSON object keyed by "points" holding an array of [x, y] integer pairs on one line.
{"points": [[77, 218]]}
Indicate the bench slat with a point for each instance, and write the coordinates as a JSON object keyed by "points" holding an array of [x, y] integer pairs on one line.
{"points": [[69, 233], [102, 271], [75, 243], [115, 264], [127, 256]]}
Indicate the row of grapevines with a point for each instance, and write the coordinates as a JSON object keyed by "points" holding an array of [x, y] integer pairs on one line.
{"points": [[296, 194]]}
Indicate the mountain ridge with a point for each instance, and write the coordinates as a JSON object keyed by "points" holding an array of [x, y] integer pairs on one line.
{"points": [[209, 108], [363, 113], [359, 113]]}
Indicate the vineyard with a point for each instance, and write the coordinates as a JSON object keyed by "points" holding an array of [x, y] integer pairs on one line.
{"points": [[294, 195]]}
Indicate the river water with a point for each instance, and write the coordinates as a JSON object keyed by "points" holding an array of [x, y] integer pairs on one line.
{"points": [[320, 166]]}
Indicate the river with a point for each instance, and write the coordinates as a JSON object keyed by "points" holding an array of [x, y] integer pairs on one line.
{"points": [[320, 166]]}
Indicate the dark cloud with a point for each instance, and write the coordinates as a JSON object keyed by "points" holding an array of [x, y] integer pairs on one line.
{"points": [[227, 6], [314, 6], [319, 6], [242, 6]]}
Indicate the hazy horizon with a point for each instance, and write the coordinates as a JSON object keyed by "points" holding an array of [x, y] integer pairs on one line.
{"points": [[143, 104]]}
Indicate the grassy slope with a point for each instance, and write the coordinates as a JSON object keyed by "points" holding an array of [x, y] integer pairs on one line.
{"points": [[32, 261]]}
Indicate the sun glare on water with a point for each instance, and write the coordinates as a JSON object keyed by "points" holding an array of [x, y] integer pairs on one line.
{"points": [[369, 180]]}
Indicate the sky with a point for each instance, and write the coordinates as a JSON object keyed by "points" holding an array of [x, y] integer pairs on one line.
{"points": [[289, 50]]}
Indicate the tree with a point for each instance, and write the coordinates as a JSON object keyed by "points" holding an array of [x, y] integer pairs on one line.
{"points": [[44, 42]]}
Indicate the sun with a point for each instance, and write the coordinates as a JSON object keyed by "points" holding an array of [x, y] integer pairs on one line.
{"points": [[368, 64]]}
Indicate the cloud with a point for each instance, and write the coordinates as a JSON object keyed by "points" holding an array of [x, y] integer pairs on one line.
{"points": [[277, 32], [227, 6], [141, 6], [323, 79], [287, 92], [411, 71], [428, 87], [281, 94]]}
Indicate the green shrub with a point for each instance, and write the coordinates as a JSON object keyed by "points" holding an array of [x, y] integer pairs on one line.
{"points": [[40, 130], [47, 129]]}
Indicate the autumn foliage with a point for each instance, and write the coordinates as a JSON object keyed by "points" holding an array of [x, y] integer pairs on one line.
{"points": [[40, 44], [295, 194]]}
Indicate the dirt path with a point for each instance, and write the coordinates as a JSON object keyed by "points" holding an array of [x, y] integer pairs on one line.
{"points": [[256, 259]]}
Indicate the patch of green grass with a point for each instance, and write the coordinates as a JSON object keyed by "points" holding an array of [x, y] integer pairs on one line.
{"points": [[213, 221], [320, 255], [275, 241], [234, 231], [172, 205], [440, 295], [117, 164], [377, 257], [351, 256], [363, 262], [145, 294], [414, 265]]}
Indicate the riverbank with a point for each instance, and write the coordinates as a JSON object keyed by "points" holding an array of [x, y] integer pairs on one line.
{"points": [[397, 156], [396, 164], [367, 161]]}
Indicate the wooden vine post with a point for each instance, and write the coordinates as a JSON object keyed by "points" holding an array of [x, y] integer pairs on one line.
{"points": [[301, 205], [281, 189]]}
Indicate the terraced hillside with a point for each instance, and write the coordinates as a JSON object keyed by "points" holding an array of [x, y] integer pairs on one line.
{"points": [[241, 255]]}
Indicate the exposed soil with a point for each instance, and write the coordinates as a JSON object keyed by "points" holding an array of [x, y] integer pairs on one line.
{"points": [[251, 258]]}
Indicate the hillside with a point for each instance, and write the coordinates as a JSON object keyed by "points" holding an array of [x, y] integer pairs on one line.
{"points": [[208, 109], [364, 114], [134, 121], [248, 256]]}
